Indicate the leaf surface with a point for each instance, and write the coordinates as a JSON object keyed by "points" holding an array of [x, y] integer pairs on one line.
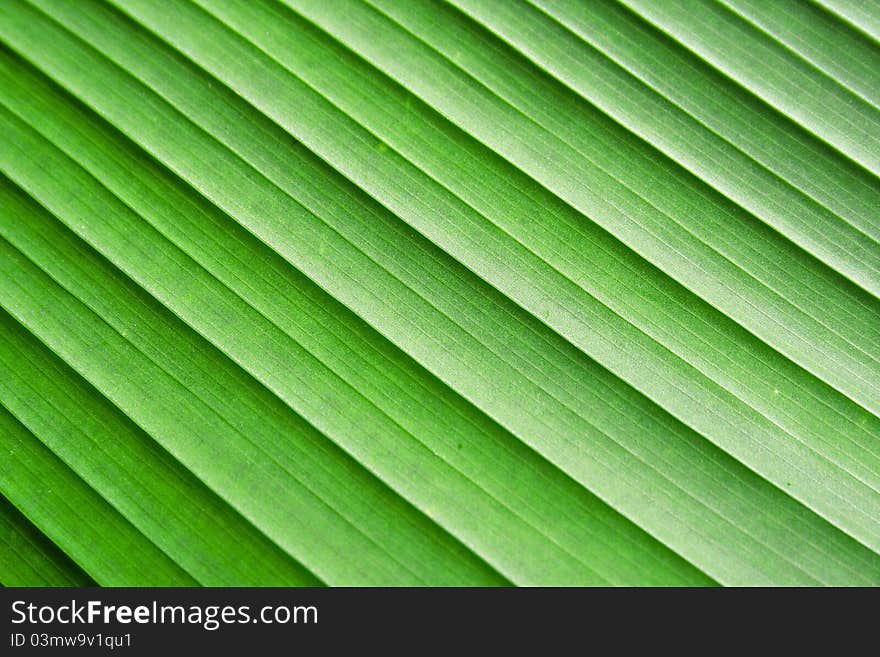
{"points": [[467, 293]]}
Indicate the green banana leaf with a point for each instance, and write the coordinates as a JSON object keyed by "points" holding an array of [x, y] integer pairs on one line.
{"points": [[417, 292]]}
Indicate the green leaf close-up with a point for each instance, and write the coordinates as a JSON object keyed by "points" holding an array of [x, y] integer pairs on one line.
{"points": [[439, 293]]}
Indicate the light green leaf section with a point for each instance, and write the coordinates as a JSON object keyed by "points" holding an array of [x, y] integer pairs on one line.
{"points": [[691, 112], [821, 39], [863, 16], [493, 459], [139, 359], [743, 431], [758, 62], [397, 292]]}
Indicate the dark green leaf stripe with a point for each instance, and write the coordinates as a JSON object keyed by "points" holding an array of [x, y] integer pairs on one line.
{"points": [[29, 558], [129, 470], [75, 517], [373, 292]]}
